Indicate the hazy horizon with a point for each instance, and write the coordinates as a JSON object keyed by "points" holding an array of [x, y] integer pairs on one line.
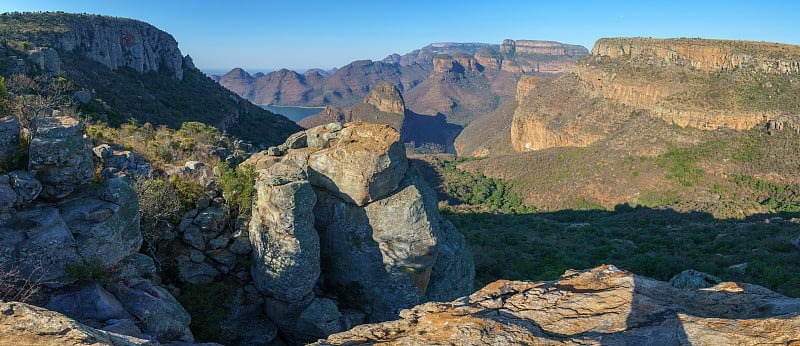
{"points": [[263, 35]]}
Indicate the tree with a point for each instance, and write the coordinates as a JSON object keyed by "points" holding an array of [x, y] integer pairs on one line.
{"points": [[39, 96]]}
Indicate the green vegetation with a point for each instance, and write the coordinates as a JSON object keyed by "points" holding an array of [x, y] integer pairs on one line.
{"points": [[206, 304], [237, 186], [477, 190], [193, 141], [649, 242], [93, 270], [689, 211]]}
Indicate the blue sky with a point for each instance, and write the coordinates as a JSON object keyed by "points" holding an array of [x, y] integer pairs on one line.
{"points": [[261, 35]]}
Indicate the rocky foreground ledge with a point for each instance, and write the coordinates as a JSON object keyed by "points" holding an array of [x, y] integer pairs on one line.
{"points": [[600, 306]]}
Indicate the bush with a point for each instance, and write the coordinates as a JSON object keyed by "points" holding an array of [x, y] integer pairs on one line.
{"points": [[237, 186], [92, 270]]}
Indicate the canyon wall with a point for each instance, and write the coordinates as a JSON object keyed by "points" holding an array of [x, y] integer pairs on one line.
{"points": [[703, 84]]}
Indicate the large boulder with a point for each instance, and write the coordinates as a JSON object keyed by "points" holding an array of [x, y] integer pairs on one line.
{"points": [[23, 324], [59, 156], [38, 243], [360, 163], [160, 313], [88, 301], [107, 226], [386, 250], [604, 306]]}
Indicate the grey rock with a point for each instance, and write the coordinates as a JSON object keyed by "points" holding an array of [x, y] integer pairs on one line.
{"points": [[47, 60], [222, 256], [739, 269], [212, 219], [124, 326], [134, 266], [193, 237], [284, 172], [159, 312], [691, 279], [240, 245], [8, 197], [25, 186], [219, 242], [195, 273], [296, 141], [58, 156], [9, 135], [103, 151], [108, 226], [333, 127], [320, 319], [196, 256], [82, 96], [88, 301], [38, 241], [194, 165], [285, 244], [274, 151]]}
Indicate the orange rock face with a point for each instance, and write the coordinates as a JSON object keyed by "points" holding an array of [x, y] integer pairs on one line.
{"points": [[604, 305], [706, 55], [703, 84]]}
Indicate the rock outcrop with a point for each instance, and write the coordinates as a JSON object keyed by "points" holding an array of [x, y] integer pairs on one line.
{"points": [[59, 156], [23, 324], [706, 55], [604, 306], [345, 231], [386, 98]]}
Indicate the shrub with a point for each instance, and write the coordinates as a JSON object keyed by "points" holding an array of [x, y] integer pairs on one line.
{"points": [[92, 270], [16, 286], [237, 186]]}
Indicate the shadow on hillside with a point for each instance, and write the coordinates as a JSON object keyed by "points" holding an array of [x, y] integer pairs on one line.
{"points": [[424, 129], [652, 242]]}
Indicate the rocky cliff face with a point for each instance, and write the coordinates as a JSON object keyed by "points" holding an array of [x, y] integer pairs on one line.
{"points": [[345, 231], [706, 55], [603, 306], [116, 43], [703, 84]]}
